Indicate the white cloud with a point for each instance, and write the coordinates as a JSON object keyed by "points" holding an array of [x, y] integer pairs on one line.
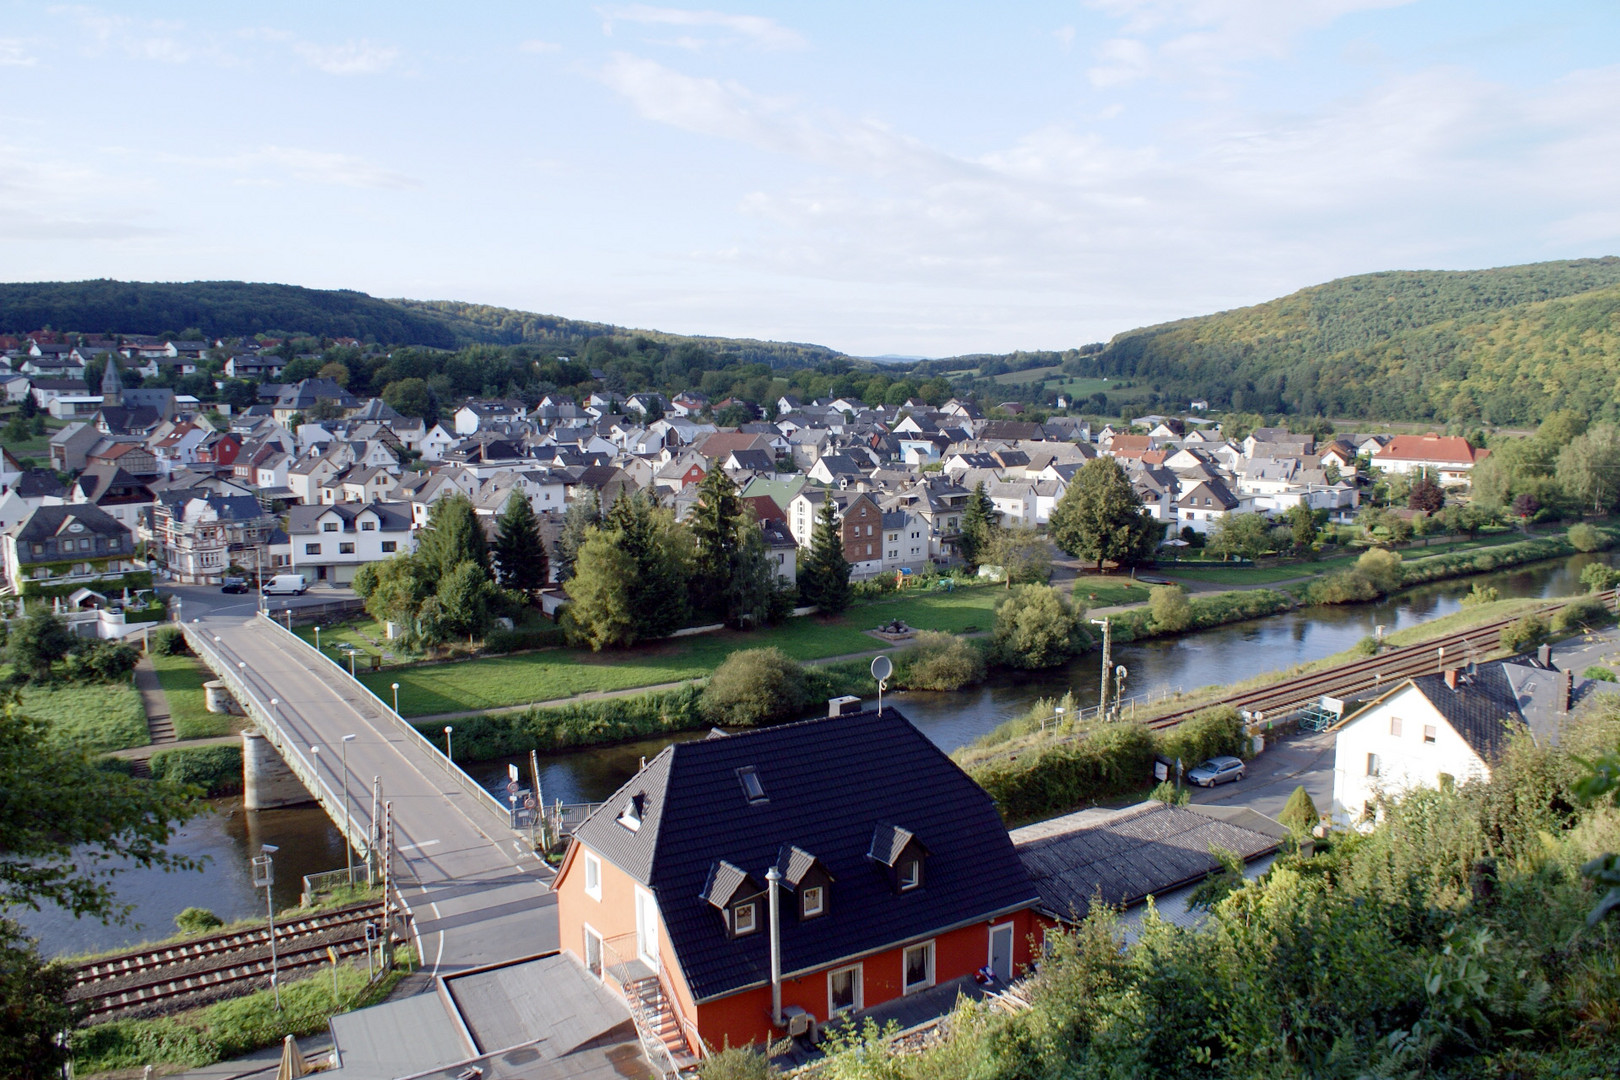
{"points": [[14, 53], [535, 45], [157, 41], [270, 165], [46, 199], [351, 58], [754, 30]]}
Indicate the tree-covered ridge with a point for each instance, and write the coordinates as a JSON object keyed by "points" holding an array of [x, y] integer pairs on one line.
{"points": [[1508, 345], [218, 308]]}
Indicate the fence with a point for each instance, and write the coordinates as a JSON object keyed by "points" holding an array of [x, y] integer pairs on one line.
{"points": [[309, 614], [330, 881], [480, 796]]}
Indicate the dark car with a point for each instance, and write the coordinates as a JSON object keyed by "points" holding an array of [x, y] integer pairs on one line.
{"points": [[1217, 770], [234, 585]]}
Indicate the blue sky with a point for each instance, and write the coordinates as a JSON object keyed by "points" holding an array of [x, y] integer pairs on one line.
{"points": [[912, 178]]}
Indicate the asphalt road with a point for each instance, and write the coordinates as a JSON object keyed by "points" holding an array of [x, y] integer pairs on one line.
{"points": [[475, 894]]}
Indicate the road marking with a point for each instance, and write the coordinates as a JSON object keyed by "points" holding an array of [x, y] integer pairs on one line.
{"points": [[439, 956], [435, 908], [415, 847]]}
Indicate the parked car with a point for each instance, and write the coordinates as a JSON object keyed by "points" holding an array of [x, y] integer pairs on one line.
{"points": [[234, 585], [286, 585], [1217, 770]]}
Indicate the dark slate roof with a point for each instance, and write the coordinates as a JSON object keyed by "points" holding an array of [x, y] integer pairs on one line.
{"points": [[794, 862], [39, 483], [829, 784], [47, 521], [1483, 709], [726, 880], [1123, 857]]}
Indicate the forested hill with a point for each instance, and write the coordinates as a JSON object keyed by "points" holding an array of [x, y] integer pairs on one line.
{"points": [[237, 308], [1507, 345]]}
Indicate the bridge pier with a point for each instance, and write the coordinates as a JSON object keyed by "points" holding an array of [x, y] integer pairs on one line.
{"points": [[267, 781]]}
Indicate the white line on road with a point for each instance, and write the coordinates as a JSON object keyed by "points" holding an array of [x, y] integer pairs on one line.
{"points": [[415, 847], [435, 908]]}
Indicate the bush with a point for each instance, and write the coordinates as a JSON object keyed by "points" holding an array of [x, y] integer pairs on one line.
{"points": [[196, 920], [1341, 587], [1584, 537], [1600, 673], [755, 686], [1481, 594], [1036, 627], [1211, 733], [939, 661], [1598, 578], [169, 641], [1367, 646], [215, 769], [1170, 795], [1382, 568], [1170, 610], [109, 660], [1299, 815], [524, 637], [1582, 611], [1523, 633]]}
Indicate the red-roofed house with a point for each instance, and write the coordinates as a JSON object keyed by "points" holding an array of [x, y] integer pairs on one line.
{"points": [[1450, 456]]}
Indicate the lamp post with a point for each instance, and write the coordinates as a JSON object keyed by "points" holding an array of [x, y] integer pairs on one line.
{"points": [[317, 639], [348, 820], [396, 699], [264, 874], [448, 756], [351, 661], [274, 712]]}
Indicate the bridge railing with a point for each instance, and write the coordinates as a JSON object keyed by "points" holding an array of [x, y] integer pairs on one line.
{"points": [[232, 672], [457, 775]]}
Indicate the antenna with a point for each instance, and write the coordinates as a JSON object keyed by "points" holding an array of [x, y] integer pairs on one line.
{"points": [[882, 668]]}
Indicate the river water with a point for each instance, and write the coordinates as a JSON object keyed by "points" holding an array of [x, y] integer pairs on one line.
{"points": [[228, 836]]}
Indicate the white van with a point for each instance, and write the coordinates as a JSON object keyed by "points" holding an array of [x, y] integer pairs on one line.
{"points": [[286, 585]]}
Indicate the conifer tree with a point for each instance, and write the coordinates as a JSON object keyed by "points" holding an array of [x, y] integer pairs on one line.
{"points": [[520, 551], [978, 526], [583, 515], [824, 581], [453, 536]]}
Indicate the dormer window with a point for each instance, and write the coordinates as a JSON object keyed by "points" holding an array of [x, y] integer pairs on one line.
{"points": [[630, 816], [812, 901], [900, 854], [744, 918], [910, 875]]}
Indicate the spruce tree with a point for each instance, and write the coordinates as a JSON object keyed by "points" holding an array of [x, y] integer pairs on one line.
{"points": [[520, 551], [716, 523], [583, 515], [978, 526], [453, 536], [661, 551], [824, 580]]}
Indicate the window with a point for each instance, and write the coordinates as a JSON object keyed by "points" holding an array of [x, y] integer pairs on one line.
{"points": [[390, 545], [1429, 733], [918, 968], [844, 990], [1372, 764], [812, 901], [328, 526], [753, 790], [742, 919], [593, 876], [368, 526], [346, 549], [312, 549], [39, 549], [593, 952], [910, 874]]}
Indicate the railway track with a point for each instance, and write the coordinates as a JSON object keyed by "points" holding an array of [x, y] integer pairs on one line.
{"points": [[1373, 673], [171, 977]]}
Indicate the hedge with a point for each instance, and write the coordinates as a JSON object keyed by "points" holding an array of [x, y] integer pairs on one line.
{"points": [[1109, 761], [1215, 609], [215, 769]]}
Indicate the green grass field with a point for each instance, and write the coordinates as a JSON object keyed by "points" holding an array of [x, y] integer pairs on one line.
{"points": [[1108, 590], [182, 678], [97, 716], [549, 674], [1237, 576]]}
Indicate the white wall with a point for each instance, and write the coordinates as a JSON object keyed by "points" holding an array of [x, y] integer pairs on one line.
{"points": [[1406, 761]]}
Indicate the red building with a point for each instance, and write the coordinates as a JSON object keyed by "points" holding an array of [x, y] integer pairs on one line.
{"points": [[751, 886]]}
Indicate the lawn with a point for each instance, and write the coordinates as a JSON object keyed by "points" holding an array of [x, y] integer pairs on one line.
{"points": [[95, 716], [182, 678], [548, 674], [1237, 576], [1108, 590], [363, 634]]}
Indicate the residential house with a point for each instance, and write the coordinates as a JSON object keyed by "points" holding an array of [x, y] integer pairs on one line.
{"points": [[59, 548], [329, 543], [70, 446], [124, 497], [750, 885], [1205, 503], [1449, 456], [198, 535]]}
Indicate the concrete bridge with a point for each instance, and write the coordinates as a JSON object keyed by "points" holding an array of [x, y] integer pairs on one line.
{"points": [[474, 891]]}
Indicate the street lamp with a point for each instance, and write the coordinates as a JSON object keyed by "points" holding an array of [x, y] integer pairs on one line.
{"points": [[348, 820], [274, 714], [396, 699], [447, 755], [317, 639], [264, 875]]}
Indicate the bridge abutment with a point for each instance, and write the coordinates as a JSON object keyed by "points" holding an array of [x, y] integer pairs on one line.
{"points": [[267, 781]]}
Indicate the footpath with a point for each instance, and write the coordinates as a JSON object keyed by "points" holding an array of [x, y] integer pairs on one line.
{"points": [[159, 726]]}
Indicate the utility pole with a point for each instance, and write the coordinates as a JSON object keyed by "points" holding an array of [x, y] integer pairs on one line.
{"points": [[1107, 665]]}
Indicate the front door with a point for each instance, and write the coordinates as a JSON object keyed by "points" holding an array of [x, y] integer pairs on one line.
{"points": [[646, 928], [1001, 952]]}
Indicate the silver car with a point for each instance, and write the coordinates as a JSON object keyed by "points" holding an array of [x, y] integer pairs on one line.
{"points": [[1217, 770]]}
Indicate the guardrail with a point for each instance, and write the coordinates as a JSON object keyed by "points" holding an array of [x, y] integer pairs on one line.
{"points": [[480, 796], [232, 671]]}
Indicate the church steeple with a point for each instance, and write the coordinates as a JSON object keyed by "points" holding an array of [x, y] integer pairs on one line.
{"points": [[112, 385]]}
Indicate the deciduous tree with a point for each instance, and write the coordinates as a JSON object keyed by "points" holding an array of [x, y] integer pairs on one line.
{"points": [[1100, 518]]}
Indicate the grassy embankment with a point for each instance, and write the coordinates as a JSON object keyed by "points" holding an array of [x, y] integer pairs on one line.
{"points": [[94, 716], [1292, 569], [182, 678]]}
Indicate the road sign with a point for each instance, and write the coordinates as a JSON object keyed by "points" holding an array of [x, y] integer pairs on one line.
{"points": [[511, 773]]}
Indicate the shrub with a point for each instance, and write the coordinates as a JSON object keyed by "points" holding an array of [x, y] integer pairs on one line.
{"points": [[1036, 627], [1367, 646], [1598, 578], [196, 920], [110, 660], [1600, 673], [1584, 537], [737, 1063], [1171, 612], [940, 661], [523, 637], [1170, 795], [1211, 733], [215, 769], [1582, 611], [169, 641], [1481, 594], [755, 686], [1342, 587], [1299, 815], [1523, 633], [1382, 568]]}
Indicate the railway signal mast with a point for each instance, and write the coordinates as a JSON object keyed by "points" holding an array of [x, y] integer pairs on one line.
{"points": [[264, 875]]}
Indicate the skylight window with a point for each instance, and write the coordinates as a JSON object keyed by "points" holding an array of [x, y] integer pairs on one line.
{"points": [[753, 790]]}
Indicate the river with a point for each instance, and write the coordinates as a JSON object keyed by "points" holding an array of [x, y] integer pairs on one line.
{"points": [[227, 836]]}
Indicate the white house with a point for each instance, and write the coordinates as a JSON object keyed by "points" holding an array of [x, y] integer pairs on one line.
{"points": [[329, 543], [436, 442], [1450, 456]]}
